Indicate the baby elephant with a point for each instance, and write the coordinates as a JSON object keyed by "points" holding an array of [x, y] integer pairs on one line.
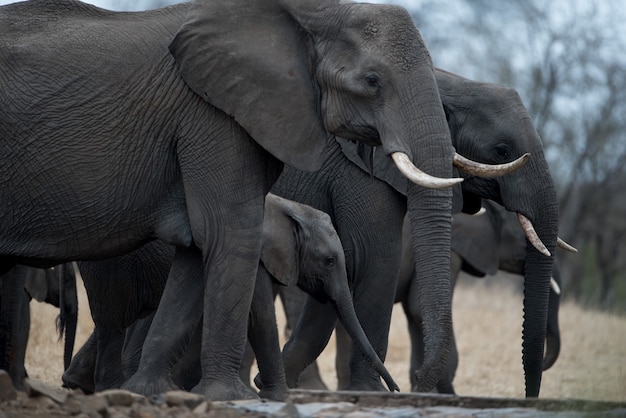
{"points": [[300, 247]]}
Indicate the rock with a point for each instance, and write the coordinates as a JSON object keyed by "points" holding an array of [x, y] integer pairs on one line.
{"points": [[36, 388], [202, 408], [7, 391], [93, 405], [117, 397], [182, 398]]}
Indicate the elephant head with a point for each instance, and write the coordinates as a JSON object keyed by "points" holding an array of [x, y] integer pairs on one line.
{"points": [[290, 72], [301, 247], [293, 72]]}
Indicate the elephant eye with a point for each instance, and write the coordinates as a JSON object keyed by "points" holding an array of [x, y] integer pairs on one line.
{"points": [[329, 261], [502, 150], [373, 80]]}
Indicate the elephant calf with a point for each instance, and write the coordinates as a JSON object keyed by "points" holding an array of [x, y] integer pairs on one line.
{"points": [[300, 247]]}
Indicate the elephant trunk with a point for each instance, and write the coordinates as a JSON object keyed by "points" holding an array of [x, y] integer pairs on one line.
{"points": [[430, 214], [537, 274], [344, 306], [434, 296]]}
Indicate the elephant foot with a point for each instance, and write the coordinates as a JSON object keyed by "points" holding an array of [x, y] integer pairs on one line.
{"points": [[217, 390], [277, 392], [311, 379], [365, 385], [274, 393], [78, 379], [148, 387]]}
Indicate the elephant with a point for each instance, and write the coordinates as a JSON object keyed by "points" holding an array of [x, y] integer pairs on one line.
{"points": [[300, 248], [481, 244], [367, 200], [21, 284], [118, 129]]}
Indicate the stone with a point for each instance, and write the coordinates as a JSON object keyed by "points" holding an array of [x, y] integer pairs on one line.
{"points": [[117, 397], [91, 405], [182, 398], [36, 388], [202, 408]]}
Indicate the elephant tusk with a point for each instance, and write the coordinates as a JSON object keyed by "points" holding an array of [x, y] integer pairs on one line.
{"points": [[488, 170], [417, 176], [480, 212], [565, 246], [531, 234], [555, 286]]}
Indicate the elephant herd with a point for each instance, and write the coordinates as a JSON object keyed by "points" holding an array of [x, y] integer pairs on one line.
{"points": [[195, 159]]}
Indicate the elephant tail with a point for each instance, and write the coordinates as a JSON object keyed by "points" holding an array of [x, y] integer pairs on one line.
{"points": [[67, 320]]}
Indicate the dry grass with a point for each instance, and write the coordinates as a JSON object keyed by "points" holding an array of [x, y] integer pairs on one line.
{"points": [[487, 315]]}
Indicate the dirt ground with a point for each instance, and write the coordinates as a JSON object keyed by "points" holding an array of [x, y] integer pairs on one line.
{"points": [[487, 320]]}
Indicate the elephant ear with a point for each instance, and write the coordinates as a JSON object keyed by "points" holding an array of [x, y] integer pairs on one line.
{"points": [[36, 283], [476, 238], [279, 251], [250, 59]]}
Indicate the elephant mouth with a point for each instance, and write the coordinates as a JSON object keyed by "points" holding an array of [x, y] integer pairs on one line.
{"points": [[365, 134]]}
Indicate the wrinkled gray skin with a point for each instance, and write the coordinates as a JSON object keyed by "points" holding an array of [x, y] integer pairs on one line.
{"points": [[300, 247], [173, 124], [481, 245], [489, 123], [21, 284]]}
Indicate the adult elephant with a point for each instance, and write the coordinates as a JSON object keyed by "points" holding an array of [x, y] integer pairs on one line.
{"points": [[481, 245], [488, 123], [121, 128], [21, 284]]}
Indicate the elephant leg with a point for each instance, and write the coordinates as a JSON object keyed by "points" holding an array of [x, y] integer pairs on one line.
{"points": [[80, 373], [414, 324], [109, 373], [187, 372], [179, 312], [263, 336], [246, 365], [293, 299], [309, 338], [374, 295], [133, 344], [14, 323]]}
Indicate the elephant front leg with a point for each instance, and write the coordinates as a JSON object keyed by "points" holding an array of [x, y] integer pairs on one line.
{"points": [[108, 372], [230, 273], [263, 335], [178, 313], [308, 339]]}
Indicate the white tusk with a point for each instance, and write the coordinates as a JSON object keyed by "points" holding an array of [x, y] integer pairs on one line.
{"points": [[531, 234], [565, 246], [481, 211], [408, 169], [555, 286], [488, 170]]}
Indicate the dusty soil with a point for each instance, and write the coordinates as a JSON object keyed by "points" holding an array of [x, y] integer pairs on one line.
{"points": [[487, 320]]}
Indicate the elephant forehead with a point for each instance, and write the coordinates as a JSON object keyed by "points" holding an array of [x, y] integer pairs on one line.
{"points": [[390, 32]]}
